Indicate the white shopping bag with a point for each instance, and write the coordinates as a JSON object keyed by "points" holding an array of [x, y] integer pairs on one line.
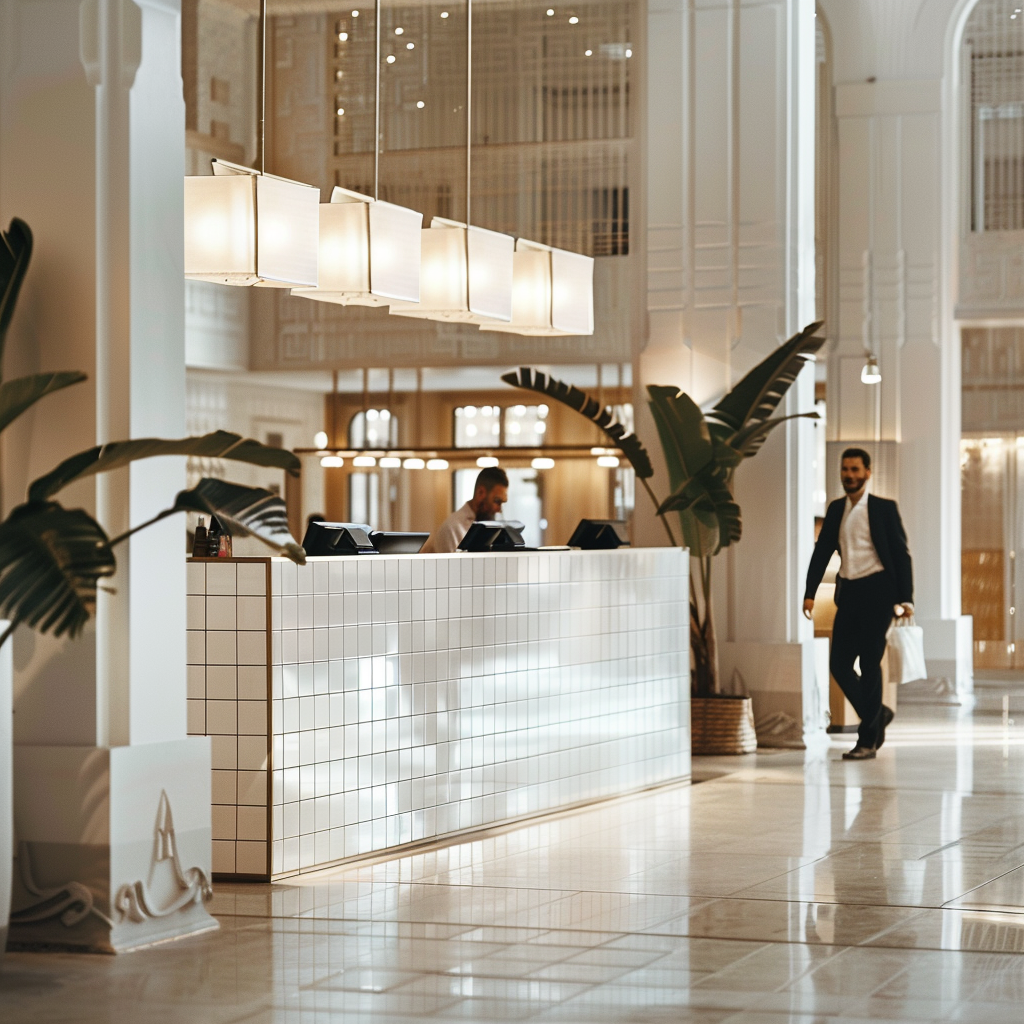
{"points": [[906, 651]]}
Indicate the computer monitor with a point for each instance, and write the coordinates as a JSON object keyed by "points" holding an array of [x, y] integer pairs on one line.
{"points": [[494, 535], [600, 535], [390, 543], [338, 539]]}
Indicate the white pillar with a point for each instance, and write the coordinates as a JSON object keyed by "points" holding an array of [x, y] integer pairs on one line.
{"points": [[895, 301], [730, 250], [112, 799]]}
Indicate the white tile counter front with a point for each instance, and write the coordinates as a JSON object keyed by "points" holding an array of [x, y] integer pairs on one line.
{"points": [[357, 704]]}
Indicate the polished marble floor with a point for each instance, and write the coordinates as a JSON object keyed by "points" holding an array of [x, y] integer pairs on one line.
{"points": [[786, 888]]}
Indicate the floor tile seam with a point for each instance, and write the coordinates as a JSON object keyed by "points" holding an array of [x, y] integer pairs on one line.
{"points": [[980, 885]]}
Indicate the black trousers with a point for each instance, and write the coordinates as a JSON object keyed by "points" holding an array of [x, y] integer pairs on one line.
{"points": [[863, 617]]}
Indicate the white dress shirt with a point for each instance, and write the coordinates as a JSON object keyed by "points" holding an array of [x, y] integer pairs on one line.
{"points": [[445, 539], [858, 552]]}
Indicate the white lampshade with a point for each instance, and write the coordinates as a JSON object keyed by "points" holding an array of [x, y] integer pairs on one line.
{"points": [[465, 276], [246, 228], [369, 252], [552, 292]]}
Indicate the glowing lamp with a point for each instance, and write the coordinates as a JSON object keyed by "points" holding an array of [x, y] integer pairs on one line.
{"points": [[246, 228], [369, 252]]}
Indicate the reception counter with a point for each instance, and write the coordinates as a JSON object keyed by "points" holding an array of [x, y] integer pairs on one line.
{"points": [[363, 703]]}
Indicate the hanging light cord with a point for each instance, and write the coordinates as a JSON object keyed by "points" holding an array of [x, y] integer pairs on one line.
{"points": [[469, 99], [261, 90], [376, 107]]}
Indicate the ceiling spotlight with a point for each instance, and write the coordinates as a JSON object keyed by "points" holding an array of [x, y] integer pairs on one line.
{"points": [[410, 46], [487, 461], [399, 30], [550, 12], [355, 14], [608, 462], [320, 439], [871, 373], [341, 111], [364, 461], [332, 462], [437, 463], [419, 104], [629, 53], [574, 20], [343, 36], [444, 14], [543, 462], [413, 464], [588, 53], [389, 462], [390, 58]]}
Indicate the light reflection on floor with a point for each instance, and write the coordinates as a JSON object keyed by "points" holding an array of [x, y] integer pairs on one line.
{"points": [[790, 887]]}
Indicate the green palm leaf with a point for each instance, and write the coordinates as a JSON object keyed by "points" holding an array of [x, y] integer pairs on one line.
{"points": [[756, 397], [748, 441], [22, 393], [244, 511], [219, 445], [51, 562], [15, 253], [586, 405]]}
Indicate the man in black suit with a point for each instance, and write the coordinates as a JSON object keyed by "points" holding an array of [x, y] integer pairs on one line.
{"points": [[876, 580]]}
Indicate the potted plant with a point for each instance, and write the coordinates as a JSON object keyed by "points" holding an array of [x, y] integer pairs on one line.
{"points": [[53, 559], [702, 451]]}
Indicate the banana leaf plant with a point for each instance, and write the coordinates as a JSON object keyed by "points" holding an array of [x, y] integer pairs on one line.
{"points": [[702, 450], [53, 559]]}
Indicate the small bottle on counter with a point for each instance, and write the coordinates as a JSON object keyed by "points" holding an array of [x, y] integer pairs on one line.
{"points": [[224, 546], [213, 538], [201, 543]]}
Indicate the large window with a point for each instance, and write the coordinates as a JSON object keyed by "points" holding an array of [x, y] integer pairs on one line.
{"points": [[371, 494], [994, 70], [487, 426]]}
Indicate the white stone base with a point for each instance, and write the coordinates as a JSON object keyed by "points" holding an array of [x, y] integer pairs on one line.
{"points": [[949, 653], [113, 845], [790, 694]]}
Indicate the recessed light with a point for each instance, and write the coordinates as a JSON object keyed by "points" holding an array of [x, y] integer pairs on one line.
{"points": [[410, 46], [444, 14], [390, 58], [629, 53], [399, 30], [341, 111], [550, 12], [420, 104], [588, 53], [574, 20], [355, 14], [343, 36]]}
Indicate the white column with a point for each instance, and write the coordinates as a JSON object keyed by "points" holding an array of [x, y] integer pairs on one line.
{"points": [[895, 301], [112, 800], [730, 208]]}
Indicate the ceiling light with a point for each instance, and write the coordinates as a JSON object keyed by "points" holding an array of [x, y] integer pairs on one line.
{"points": [[550, 12], [552, 293], [369, 252], [588, 53], [871, 373], [355, 14], [629, 53], [487, 461], [390, 462], [343, 36], [602, 451], [243, 227], [413, 463], [543, 462], [364, 461], [390, 58], [341, 111], [399, 30], [437, 464], [332, 462], [320, 439], [608, 462], [444, 14], [574, 20], [465, 276], [410, 46], [419, 104], [246, 227]]}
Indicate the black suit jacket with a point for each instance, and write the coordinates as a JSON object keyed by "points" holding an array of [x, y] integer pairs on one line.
{"points": [[888, 536]]}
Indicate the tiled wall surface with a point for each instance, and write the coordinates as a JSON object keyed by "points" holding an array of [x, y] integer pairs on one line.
{"points": [[414, 696]]}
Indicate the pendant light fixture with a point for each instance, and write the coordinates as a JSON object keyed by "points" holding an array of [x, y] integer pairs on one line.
{"points": [[246, 227], [871, 374], [552, 292], [466, 272], [369, 250]]}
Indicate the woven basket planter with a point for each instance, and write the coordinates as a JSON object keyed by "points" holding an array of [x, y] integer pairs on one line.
{"points": [[722, 725]]}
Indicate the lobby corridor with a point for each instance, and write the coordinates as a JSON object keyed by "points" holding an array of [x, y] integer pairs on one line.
{"points": [[787, 887]]}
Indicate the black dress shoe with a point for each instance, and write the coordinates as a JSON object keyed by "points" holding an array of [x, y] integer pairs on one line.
{"points": [[887, 716], [859, 753]]}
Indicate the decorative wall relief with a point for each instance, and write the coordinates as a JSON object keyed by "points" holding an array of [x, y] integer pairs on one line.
{"points": [[134, 900], [71, 903]]}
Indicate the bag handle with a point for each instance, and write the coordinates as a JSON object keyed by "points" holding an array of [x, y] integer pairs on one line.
{"points": [[904, 620]]}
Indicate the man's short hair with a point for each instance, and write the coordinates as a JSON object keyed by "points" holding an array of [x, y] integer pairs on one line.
{"points": [[489, 478], [858, 453]]}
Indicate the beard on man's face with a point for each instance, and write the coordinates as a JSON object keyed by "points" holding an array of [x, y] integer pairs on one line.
{"points": [[852, 485]]}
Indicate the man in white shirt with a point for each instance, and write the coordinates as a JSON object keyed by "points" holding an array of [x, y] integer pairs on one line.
{"points": [[489, 495], [876, 581]]}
